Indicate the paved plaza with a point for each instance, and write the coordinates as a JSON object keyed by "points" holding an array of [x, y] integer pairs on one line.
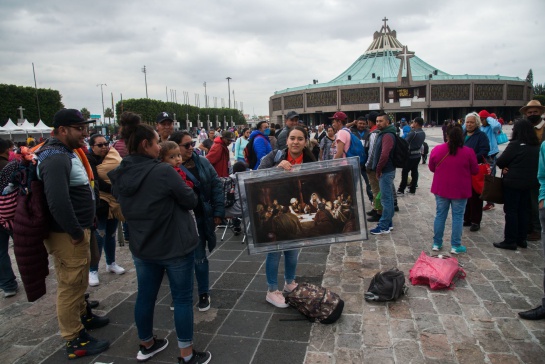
{"points": [[476, 322]]}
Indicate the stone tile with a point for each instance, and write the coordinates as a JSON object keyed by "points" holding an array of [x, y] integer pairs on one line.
{"points": [[491, 341], [376, 335], [348, 356], [465, 296], [399, 309], [318, 358], [528, 352], [210, 321], [445, 305], [513, 329], [234, 281], [244, 267], [245, 323], [349, 341], [349, 324], [420, 305], [294, 331], [408, 351], [428, 323], [435, 346], [486, 292], [403, 329], [322, 338], [232, 350], [503, 359], [468, 353], [499, 309], [457, 329]]}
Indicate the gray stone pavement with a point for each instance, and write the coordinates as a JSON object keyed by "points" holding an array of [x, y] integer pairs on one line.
{"points": [[476, 322]]}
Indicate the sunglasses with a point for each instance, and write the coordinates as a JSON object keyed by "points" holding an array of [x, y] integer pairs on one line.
{"points": [[101, 145], [79, 128], [187, 145]]}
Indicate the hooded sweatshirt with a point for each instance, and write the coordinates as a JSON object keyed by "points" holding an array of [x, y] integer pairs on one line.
{"points": [[155, 202]]}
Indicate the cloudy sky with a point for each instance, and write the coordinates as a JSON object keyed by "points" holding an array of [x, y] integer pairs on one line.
{"points": [[264, 46]]}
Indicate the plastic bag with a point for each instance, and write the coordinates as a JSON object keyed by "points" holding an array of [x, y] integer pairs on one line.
{"points": [[438, 273]]}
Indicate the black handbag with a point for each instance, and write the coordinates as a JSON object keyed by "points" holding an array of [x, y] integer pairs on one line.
{"points": [[493, 189]]}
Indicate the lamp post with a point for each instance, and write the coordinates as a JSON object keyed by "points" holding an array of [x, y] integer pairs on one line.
{"points": [[145, 80], [229, 90], [205, 97], [102, 94]]}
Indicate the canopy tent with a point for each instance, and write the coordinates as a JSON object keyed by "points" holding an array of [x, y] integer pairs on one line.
{"points": [[42, 127], [20, 133], [11, 128]]}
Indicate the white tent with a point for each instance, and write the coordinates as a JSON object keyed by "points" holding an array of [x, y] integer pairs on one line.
{"points": [[42, 127], [29, 127], [11, 128]]}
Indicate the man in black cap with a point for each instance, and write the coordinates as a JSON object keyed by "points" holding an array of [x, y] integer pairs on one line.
{"points": [[291, 120], [164, 125], [71, 201]]}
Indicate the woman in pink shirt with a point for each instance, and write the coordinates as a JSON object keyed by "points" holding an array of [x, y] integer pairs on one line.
{"points": [[452, 164]]}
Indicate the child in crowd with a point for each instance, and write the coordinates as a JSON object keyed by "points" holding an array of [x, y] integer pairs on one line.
{"points": [[170, 153]]}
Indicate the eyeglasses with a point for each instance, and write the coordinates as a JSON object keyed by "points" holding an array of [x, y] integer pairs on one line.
{"points": [[79, 128], [187, 145], [101, 145]]}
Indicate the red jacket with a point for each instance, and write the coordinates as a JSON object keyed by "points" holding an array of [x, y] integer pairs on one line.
{"points": [[218, 156]]}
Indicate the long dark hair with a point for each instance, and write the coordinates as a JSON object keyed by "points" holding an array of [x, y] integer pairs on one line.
{"points": [[523, 131], [455, 138], [177, 136], [133, 132], [307, 154]]}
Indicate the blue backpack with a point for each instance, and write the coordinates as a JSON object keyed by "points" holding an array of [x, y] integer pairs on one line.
{"points": [[356, 148]]}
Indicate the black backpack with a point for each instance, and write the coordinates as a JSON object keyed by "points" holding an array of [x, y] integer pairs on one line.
{"points": [[386, 286], [249, 153], [401, 152], [228, 188], [316, 303]]}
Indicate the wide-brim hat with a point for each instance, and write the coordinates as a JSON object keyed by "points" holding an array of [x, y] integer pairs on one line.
{"points": [[532, 103]]}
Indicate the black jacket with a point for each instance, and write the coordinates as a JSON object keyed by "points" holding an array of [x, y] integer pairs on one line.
{"points": [[479, 143], [155, 201], [522, 160]]}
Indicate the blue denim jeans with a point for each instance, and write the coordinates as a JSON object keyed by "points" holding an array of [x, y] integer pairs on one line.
{"points": [[386, 184], [7, 278], [201, 267], [368, 189], [290, 266], [441, 211], [149, 274], [105, 234]]}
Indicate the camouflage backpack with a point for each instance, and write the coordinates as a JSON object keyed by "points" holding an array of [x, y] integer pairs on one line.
{"points": [[316, 303]]}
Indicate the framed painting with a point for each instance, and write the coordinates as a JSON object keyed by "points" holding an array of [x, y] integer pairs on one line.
{"points": [[313, 204]]}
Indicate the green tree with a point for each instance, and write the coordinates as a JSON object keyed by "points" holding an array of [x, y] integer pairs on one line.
{"points": [[539, 89], [108, 113], [530, 77], [86, 113], [13, 96], [540, 98]]}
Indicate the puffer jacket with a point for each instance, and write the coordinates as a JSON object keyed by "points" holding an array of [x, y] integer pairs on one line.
{"points": [[155, 202], [211, 200]]}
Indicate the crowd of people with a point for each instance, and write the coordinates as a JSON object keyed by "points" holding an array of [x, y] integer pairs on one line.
{"points": [[169, 194]]}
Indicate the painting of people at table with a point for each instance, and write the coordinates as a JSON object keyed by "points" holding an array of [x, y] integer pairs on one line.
{"points": [[302, 206]]}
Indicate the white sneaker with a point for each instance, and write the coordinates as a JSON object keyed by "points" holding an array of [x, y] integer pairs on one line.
{"points": [[277, 299], [114, 268], [93, 279]]}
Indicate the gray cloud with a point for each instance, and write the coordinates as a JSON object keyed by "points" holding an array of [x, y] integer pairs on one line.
{"points": [[264, 46]]}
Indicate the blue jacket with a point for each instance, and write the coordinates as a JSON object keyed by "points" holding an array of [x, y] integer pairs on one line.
{"points": [[262, 145], [406, 130], [491, 130], [479, 143], [541, 173]]}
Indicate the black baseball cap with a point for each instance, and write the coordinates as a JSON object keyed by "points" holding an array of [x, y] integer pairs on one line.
{"points": [[163, 116], [66, 117], [292, 114]]}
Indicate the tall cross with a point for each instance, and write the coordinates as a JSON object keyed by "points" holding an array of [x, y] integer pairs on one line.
{"points": [[385, 20], [405, 55], [20, 108]]}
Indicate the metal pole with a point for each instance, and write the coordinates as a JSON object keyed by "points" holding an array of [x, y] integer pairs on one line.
{"points": [[102, 94], [205, 97], [145, 80], [36, 88], [229, 90]]}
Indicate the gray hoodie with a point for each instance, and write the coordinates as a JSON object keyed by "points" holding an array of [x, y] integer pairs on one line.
{"points": [[155, 202]]}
